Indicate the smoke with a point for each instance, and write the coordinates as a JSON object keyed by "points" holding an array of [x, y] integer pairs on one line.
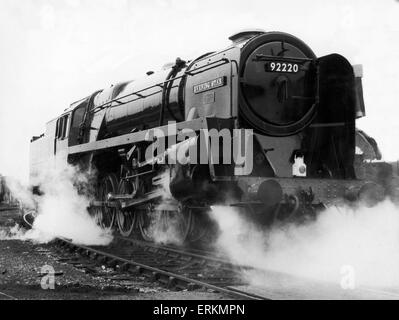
{"points": [[61, 210], [164, 223], [20, 192], [364, 241], [14, 233], [164, 227]]}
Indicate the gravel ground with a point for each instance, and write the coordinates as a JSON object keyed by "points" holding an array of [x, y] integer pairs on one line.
{"points": [[21, 274]]}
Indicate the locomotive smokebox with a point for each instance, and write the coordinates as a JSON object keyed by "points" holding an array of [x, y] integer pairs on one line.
{"points": [[278, 86], [270, 193]]}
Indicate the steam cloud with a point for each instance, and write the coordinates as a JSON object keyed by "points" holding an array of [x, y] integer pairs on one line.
{"points": [[365, 239], [164, 231], [62, 210]]}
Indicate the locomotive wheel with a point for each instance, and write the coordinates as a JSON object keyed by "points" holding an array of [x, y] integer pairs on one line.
{"points": [[126, 219], [105, 215], [200, 228], [145, 224], [165, 226], [97, 213], [184, 223]]}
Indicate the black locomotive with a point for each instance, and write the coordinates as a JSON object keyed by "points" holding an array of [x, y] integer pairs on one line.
{"points": [[302, 110], [6, 197]]}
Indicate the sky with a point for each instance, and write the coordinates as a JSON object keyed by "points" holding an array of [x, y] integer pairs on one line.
{"points": [[54, 52]]}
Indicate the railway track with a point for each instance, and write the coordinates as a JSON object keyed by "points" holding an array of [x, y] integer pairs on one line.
{"points": [[187, 268], [190, 268], [172, 267], [5, 296]]}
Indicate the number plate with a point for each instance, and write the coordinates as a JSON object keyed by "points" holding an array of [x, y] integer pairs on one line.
{"points": [[282, 67]]}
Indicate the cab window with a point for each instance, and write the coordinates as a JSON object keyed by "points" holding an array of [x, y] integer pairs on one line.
{"points": [[61, 128], [77, 118]]}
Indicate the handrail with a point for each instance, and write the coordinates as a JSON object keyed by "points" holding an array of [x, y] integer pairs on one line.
{"points": [[265, 57], [191, 73], [108, 104]]}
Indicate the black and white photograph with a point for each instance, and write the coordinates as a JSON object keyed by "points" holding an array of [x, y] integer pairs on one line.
{"points": [[199, 154]]}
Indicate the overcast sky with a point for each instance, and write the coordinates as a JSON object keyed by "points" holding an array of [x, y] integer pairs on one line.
{"points": [[53, 52]]}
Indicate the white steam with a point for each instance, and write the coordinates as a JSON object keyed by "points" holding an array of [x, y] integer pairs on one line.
{"points": [[14, 233], [164, 229], [20, 192], [62, 210], [164, 226], [364, 239]]}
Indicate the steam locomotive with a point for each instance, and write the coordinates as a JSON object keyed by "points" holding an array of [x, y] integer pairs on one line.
{"points": [[6, 196], [301, 111], [3, 190]]}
